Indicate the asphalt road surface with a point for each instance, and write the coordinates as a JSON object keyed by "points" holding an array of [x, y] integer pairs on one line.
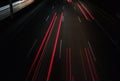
{"points": [[66, 42]]}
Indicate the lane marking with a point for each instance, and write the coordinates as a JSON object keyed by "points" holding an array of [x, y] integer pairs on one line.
{"points": [[82, 11], [40, 48], [83, 66], [89, 64], [54, 49], [79, 19], [94, 58], [47, 18], [60, 49], [43, 53], [34, 43]]}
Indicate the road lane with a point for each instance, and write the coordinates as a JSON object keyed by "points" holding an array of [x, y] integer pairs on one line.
{"points": [[69, 47]]}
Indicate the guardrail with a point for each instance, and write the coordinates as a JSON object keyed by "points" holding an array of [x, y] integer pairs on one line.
{"points": [[18, 5]]}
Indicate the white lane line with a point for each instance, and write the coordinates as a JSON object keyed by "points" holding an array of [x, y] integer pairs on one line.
{"points": [[94, 58], [79, 19], [31, 48], [60, 48], [47, 18]]}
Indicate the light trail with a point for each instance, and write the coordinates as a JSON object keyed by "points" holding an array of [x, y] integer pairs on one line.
{"points": [[41, 57], [89, 64], [82, 11], [70, 64], [40, 47], [94, 58], [93, 66], [87, 11], [83, 66], [54, 49]]}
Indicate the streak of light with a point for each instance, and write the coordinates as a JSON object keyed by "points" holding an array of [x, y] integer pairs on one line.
{"points": [[70, 64], [54, 49], [79, 19], [89, 64], [106, 33], [73, 78], [82, 11], [25, 3], [47, 18], [94, 58], [43, 52], [83, 66], [69, 1], [87, 11], [93, 66], [31, 48], [40, 47]]}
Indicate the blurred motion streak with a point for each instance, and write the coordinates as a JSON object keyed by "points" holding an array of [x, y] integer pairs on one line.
{"points": [[24, 3], [82, 11], [93, 66], [69, 1], [73, 78], [40, 47], [83, 66], [87, 11], [43, 52], [89, 64], [54, 48], [70, 64]]}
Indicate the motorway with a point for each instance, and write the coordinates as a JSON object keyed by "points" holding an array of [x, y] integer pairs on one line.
{"points": [[65, 42]]}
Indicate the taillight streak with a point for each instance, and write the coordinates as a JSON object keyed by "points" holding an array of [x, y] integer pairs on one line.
{"points": [[72, 78], [93, 66], [41, 56], [89, 64], [83, 66], [82, 11], [40, 47], [54, 49], [87, 11], [70, 64]]}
